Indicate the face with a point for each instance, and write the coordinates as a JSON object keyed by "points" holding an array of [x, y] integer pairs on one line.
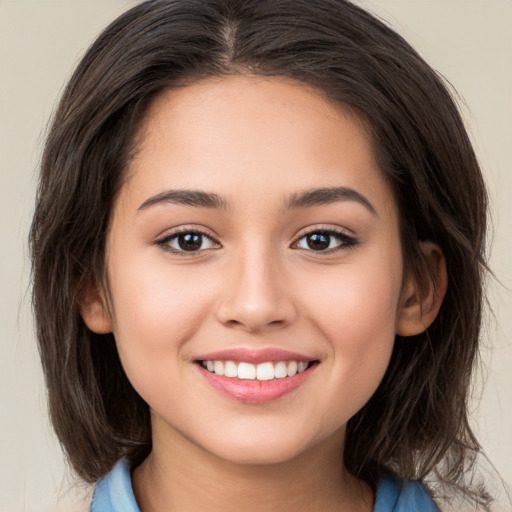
{"points": [[255, 268]]}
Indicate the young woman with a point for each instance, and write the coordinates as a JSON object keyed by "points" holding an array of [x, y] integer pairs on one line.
{"points": [[258, 255]]}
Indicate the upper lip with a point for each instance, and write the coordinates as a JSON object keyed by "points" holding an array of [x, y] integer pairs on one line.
{"points": [[253, 355]]}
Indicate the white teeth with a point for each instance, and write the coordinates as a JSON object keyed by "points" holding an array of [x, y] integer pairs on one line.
{"points": [[291, 369], [265, 371], [218, 367], [230, 369], [280, 370], [262, 371], [246, 371]]}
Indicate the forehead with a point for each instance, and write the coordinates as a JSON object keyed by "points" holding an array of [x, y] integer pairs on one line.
{"points": [[248, 104], [253, 132]]}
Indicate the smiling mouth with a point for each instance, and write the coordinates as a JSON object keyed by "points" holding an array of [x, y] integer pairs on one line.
{"points": [[255, 376], [264, 371]]}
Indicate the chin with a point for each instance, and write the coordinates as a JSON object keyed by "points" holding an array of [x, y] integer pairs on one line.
{"points": [[258, 449]]}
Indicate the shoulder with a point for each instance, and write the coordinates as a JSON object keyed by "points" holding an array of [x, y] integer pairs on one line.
{"points": [[114, 491], [408, 496]]}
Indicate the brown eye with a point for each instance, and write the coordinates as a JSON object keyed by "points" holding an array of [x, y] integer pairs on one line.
{"points": [[325, 241], [318, 241], [188, 241]]}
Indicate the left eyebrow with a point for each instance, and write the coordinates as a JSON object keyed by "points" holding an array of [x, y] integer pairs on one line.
{"points": [[327, 195]]}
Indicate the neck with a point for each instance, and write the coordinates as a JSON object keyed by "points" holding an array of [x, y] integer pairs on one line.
{"points": [[179, 476]]}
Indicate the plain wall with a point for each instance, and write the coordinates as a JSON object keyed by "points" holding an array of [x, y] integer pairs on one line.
{"points": [[468, 41]]}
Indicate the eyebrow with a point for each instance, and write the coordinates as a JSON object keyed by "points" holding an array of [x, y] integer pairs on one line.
{"points": [[307, 199], [327, 195], [196, 198]]}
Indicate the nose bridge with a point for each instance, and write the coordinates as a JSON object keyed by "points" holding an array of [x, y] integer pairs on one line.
{"points": [[255, 295]]}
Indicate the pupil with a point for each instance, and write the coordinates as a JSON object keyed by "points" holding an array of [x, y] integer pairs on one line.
{"points": [[318, 241], [189, 241]]}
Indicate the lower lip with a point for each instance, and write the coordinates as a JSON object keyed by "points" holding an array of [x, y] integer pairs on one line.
{"points": [[255, 391]]}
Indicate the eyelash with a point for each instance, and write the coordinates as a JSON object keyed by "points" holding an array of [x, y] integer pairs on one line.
{"points": [[346, 242]]}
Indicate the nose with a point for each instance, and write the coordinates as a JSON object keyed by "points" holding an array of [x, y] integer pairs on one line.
{"points": [[256, 296]]}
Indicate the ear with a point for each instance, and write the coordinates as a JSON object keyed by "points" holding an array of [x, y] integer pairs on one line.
{"points": [[94, 310], [422, 298]]}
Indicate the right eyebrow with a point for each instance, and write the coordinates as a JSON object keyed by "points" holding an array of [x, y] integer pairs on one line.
{"points": [[197, 198]]}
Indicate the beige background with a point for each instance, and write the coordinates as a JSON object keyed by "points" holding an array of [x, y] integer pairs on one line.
{"points": [[469, 41]]}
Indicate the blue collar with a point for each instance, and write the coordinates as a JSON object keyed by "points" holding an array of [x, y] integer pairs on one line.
{"points": [[114, 493]]}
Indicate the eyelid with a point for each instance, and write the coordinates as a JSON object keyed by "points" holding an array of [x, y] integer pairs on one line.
{"points": [[185, 228], [326, 228]]}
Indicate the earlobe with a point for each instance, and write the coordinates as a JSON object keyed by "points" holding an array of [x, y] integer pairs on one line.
{"points": [[94, 311], [422, 298]]}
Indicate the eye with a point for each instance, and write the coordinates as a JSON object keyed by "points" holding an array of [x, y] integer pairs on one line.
{"points": [[187, 242], [325, 241]]}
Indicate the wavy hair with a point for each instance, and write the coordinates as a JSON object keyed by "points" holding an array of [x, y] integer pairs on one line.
{"points": [[417, 420]]}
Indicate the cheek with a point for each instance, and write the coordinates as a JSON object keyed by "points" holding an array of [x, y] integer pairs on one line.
{"points": [[156, 311], [355, 310], [355, 303]]}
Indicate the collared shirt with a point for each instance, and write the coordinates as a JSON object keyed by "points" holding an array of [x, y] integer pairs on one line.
{"points": [[114, 493]]}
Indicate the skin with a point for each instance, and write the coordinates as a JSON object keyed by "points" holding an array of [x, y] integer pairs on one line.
{"points": [[255, 283]]}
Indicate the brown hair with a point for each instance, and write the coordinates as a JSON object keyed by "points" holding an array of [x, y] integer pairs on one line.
{"points": [[418, 416]]}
